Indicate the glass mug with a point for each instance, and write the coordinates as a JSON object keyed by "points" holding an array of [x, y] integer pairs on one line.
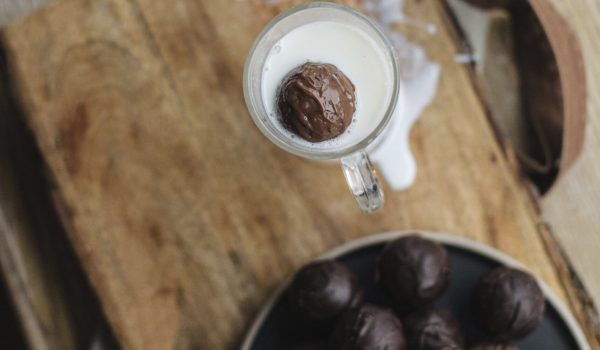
{"points": [[354, 160]]}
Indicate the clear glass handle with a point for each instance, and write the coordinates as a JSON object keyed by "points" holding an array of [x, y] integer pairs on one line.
{"points": [[362, 181]]}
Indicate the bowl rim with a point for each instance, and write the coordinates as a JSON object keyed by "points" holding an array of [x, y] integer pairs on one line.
{"points": [[443, 238]]}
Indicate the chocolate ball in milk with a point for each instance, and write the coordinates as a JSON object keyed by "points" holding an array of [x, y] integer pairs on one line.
{"points": [[316, 101]]}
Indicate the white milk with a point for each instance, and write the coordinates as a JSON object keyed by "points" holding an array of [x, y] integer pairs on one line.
{"points": [[362, 59]]}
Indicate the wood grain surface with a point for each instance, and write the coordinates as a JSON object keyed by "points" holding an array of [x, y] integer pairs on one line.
{"points": [[572, 208], [55, 303], [185, 217]]}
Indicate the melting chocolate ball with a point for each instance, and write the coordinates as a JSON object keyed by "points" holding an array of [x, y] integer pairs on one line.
{"points": [[432, 329], [316, 101], [368, 328], [509, 303], [494, 347], [321, 290], [413, 271]]}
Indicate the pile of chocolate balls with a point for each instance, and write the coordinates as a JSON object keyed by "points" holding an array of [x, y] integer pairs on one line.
{"points": [[412, 271]]}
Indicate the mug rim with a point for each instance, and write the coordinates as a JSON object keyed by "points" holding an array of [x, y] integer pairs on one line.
{"points": [[345, 151]]}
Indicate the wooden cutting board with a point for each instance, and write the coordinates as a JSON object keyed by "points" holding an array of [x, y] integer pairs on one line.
{"points": [[184, 216]]}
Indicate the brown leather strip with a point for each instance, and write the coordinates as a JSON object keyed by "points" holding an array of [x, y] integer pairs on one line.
{"points": [[572, 76], [553, 86]]}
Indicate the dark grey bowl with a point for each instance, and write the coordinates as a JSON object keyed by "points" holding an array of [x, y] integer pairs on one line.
{"points": [[274, 330]]}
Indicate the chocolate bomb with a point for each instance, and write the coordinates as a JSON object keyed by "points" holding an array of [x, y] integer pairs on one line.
{"points": [[433, 329], [316, 101], [413, 271], [509, 303], [322, 290], [494, 347], [368, 328]]}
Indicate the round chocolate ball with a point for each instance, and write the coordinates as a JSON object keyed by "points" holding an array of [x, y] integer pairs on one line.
{"points": [[322, 290], [510, 303], [316, 101], [368, 328], [413, 271], [494, 347], [432, 329]]}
